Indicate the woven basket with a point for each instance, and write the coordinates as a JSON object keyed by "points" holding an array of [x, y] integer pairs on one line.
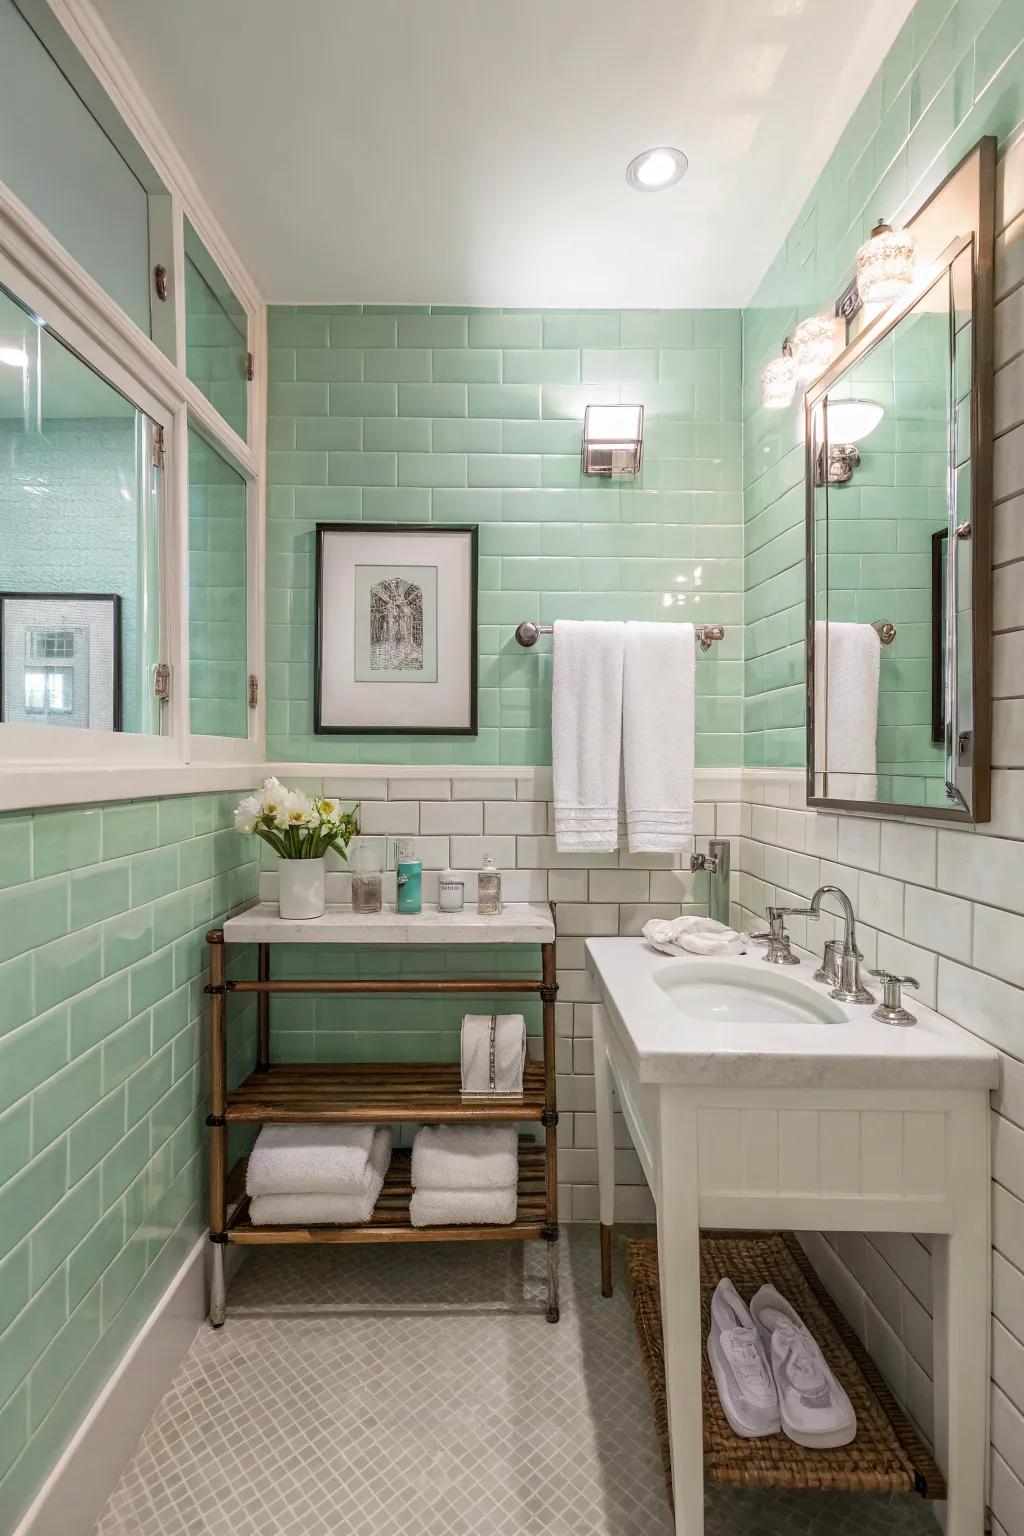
{"points": [[887, 1455]]}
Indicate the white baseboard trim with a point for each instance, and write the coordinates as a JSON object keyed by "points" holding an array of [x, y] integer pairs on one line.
{"points": [[70, 1501]]}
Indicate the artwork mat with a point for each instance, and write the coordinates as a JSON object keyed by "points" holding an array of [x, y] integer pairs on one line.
{"points": [[63, 600], [345, 706]]}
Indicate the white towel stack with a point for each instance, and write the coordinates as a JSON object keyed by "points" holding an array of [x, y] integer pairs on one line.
{"points": [[316, 1174], [493, 1055], [464, 1175]]}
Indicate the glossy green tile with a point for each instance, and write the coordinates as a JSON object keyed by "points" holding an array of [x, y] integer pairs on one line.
{"points": [[99, 892], [15, 850], [67, 966], [129, 827], [63, 1228], [16, 992], [153, 874], [66, 839], [65, 1097]]}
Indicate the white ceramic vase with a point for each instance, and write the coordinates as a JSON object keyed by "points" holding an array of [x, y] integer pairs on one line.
{"points": [[302, 887]]}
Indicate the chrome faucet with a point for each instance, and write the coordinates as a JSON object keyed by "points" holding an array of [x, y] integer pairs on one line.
{"points": [[849, 988]]}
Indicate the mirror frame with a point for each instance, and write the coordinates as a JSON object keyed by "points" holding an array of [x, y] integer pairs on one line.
{"points": [[982, 163]]}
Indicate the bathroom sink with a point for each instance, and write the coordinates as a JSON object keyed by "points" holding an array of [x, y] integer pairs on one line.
{"points": [[724, 992]]}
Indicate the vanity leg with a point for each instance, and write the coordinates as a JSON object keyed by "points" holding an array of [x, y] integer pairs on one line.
{"points": [[961, 1268], [552, 1279], [679, 1266], [218, 1125], [218, 1290], [605, 1147]]}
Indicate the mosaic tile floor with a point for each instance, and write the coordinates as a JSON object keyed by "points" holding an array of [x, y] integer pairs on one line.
{"points": [[427, 1422]]}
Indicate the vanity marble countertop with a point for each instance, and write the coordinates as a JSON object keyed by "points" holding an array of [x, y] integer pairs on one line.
{"points": [[517, 923], [852, 1050]]}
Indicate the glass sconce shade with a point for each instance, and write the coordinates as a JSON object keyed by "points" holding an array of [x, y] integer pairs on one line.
{"points": [[813, 345], [778, 383], [849, 421], [613, 439], [885, 264]]}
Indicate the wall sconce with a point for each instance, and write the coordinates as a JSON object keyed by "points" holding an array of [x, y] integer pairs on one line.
{"points": [[613, 440], [778, 380], [885, 264], [847, 423], [813, 345]]}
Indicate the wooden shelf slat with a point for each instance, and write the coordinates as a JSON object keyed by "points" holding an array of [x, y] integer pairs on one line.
{"points": [[368, 1093], [390, 1220]]}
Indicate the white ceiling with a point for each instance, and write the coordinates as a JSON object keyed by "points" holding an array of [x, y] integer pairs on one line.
{"points": [[473, 152]]}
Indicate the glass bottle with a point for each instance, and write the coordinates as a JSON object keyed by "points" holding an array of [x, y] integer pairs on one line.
{"points": [[488, 899], [367, 876]]}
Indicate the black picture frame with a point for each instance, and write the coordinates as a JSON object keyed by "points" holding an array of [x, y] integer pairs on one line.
{"points": [[470, 532], [940, 546], [114, 599]]}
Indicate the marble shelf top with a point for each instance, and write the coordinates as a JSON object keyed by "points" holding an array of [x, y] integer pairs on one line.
{"points": [[518, 923]]}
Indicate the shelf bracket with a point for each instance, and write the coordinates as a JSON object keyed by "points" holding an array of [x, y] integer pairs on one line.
{"points": [[549, 1117], [214, 1120], [548, 994], [228, 986], [218, 1237], [549, 1234]]}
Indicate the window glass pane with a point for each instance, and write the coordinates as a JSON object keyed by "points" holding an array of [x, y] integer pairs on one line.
{"points": [[79, 576], [61, 164], [216, 334], [217, 567]]}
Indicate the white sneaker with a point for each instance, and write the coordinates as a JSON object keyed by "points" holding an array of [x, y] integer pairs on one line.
{"points": [[739, 1365], [815, 1410]]}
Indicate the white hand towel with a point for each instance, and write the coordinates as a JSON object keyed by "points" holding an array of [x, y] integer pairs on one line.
{"points": [[310, 1160], [465, 1157], [657, 736], [462, 1207], [847, 667], [327, 1209], [694, 936], [586, 734], [509, 1054]]}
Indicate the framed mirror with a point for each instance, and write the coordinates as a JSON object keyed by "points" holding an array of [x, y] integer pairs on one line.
{"points": [[898, 481]]}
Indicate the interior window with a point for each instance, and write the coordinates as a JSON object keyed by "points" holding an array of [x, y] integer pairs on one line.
{"points": [[216, 334], [79, 546], [217, 621]]}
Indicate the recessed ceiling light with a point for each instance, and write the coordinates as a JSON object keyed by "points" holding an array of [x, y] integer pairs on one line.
{"points": [[14, 357], [657, 169]]}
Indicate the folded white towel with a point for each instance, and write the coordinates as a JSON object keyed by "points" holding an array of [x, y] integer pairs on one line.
{"points": [[310, 1160], [322, 1209], [465, 1157], [657, 736], [586, 734], [462, 1207], [694, 936], [847, 669], [509, 1054]]}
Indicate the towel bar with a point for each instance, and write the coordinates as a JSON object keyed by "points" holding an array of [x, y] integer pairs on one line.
{"points": [[528, 633]]}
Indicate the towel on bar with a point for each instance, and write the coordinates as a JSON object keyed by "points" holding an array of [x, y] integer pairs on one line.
{"points": [[586, 734], [847, 668], [326, 1209], [310, 1160], [509, 1057], [465, 1157], [462, 1207], [657, 736]]}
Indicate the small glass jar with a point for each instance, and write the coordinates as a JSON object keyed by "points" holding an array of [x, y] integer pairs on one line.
{"points": [[367, 877], [488, 897], [451, 892]]}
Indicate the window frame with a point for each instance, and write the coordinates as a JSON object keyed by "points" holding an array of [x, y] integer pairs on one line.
{"points": [[150, 371]]}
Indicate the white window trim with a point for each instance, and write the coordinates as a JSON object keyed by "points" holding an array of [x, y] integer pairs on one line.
{"points": [[53, 765]]}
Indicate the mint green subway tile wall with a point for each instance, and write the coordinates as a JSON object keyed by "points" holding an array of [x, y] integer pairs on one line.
{"points": [[218, 666], [475, 416], [954, 73], [103, 917]]}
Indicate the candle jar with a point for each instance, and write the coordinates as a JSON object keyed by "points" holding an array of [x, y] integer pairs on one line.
{"points": [[488, 899], [367, 876], [451, 892]]}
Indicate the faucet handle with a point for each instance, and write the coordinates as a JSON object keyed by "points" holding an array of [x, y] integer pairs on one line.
{"points": [[779, 951], [891, 1010]]}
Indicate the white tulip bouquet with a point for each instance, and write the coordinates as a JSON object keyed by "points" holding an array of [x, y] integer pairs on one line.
{"points": [[294, 825]]}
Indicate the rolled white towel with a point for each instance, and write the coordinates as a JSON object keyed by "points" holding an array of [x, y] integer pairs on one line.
{"points": [[325, 1208], [310, 1160], [462, 1207], [694, 936], [509, 1032], [465, 1157]]}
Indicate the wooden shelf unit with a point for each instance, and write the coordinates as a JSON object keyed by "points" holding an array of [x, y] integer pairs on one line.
{"points": [[380, 1093]]}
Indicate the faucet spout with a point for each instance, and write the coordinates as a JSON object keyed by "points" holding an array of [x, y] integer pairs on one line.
{"points": [[850, 988]]}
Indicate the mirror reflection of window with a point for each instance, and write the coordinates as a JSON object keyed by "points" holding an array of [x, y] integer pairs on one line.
{"points": [[218, 636], [79, 573], [216, 334]]}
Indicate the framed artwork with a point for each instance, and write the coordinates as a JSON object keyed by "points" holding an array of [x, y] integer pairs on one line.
{"points": [[396, 612], [60, 659]]}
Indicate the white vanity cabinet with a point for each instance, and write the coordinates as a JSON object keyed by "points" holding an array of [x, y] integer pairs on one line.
{"points": [[754, 1101]]}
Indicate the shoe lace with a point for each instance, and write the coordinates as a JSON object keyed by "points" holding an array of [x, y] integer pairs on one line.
{"points": [[803, 1367], [748, 1362]]}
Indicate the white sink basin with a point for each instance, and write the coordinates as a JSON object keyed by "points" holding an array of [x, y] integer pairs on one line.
{"points": [[717, 992]]}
